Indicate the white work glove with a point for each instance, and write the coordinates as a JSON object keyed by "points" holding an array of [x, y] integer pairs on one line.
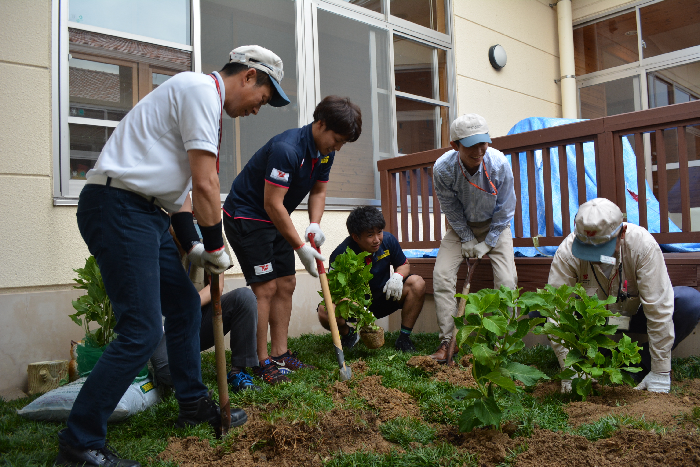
{"points": [[195, 255], [394, 287], [468, 248], [215, 262], [656, 382], [481, 249], [308, 257], [315, 229]]}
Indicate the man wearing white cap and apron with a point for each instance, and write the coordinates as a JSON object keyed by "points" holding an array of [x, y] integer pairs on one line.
{"points": [[167, 145], [474, 184], [609, 257]]}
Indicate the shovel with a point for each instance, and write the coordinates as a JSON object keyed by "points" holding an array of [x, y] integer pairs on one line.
{"points": [[220, 354], [345, 371], [460, 308]]}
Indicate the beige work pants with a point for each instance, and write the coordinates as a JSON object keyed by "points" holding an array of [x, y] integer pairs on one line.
{"points": [[448, 261]]}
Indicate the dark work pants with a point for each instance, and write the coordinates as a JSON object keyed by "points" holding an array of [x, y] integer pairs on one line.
{"points": [[686, 315], [145, 280], [239, 313]]}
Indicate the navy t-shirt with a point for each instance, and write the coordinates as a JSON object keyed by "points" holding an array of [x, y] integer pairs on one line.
{"points": [[289, 160], [389, 252]]}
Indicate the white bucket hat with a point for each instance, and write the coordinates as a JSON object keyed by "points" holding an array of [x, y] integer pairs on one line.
{"points": [[264, 60], [596, 227]]}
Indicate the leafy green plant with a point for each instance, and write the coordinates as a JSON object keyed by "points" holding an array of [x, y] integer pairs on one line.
{"points": [[348, 281], [579, 323], [94, 306], [493, 325]]}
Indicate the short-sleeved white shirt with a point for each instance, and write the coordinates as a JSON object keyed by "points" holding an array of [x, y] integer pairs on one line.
{"points": [[148, 149]]}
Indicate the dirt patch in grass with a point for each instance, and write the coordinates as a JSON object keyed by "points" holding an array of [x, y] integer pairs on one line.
{"points": [[458, 375], [347, 429], [624, 400], [625, 448], [283, 443]]}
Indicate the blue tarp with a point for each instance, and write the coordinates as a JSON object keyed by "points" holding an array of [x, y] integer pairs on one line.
{"points": [[631, 191]]}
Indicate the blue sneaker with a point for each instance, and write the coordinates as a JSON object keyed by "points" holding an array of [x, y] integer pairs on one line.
{"points": [[241, 381]]}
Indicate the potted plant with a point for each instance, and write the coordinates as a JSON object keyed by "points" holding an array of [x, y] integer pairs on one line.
{"points": [[348, 281]]}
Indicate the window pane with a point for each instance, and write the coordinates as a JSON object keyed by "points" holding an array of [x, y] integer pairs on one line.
{"points": [[427, 13], [159, 78], [86, 143], [100, 90], [353, 62], [374, 5], [167, 20], [611, 98], [415, 67], [270, 24], [674, 85], [606, 44], [670, 25], [421, 127]]}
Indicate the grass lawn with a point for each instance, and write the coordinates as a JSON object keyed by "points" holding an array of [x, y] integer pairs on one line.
{"points": [[425, 437]]}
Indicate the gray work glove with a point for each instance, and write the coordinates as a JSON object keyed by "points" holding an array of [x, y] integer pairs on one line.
{"points": [[656, 382], [308, 257], [481, 249], [394, 287], [468, 248]]}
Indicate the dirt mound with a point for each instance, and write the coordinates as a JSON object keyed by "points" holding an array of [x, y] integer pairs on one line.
{"points": [[458, 375], [624, 400], [389, 402], [492, 446], [259, 442], [625, 448]]}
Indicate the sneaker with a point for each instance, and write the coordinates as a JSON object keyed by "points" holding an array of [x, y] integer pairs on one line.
{"points": [[269, 373], [349, 340], [102, 457], [205, 409], [241, 381], [289, 361], [404, 343]]}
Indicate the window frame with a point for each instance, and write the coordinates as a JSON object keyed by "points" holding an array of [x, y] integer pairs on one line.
{"points": [[308, 77]]}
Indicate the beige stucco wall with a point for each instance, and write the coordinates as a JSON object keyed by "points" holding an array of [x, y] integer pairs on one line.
{"points": [[525, 87]]}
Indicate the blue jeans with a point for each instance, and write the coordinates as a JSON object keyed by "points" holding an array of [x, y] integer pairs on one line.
{"points": [[144, 279]]}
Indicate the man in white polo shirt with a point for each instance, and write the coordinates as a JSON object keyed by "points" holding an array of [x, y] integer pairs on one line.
{"points": [[167, 145]]}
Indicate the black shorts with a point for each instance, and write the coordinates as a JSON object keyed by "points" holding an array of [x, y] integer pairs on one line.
{"points": [[382, 307], [263, 253]]}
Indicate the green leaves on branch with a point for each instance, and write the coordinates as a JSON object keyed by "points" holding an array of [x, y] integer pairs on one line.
{"points": [[93, 306], [579, 323], [348, 281], [493, 326]]}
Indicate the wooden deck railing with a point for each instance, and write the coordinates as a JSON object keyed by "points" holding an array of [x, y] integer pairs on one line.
{"points": [[407, 193]]}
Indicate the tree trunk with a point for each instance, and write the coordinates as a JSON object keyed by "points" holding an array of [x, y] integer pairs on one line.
{"points": [[45, 376]]}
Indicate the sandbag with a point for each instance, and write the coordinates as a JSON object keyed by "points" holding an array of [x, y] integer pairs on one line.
{"points": [[55, 405]]}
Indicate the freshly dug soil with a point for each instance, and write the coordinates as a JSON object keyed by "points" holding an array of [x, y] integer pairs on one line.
{"points": [[260, 443]]}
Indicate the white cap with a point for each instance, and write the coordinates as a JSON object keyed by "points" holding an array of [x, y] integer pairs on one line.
{"points": [[596, 227], [470, 129], [264, 60]]}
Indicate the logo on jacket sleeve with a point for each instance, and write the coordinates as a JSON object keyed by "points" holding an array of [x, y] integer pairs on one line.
{"points": [[277, 174]]}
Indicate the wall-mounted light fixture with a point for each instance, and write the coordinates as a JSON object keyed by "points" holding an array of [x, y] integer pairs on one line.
{"points": [[497, 56]]}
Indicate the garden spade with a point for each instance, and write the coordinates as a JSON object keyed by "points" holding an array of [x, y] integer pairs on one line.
{"points": [[460, 307], [220, 354], [345, 371]]}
